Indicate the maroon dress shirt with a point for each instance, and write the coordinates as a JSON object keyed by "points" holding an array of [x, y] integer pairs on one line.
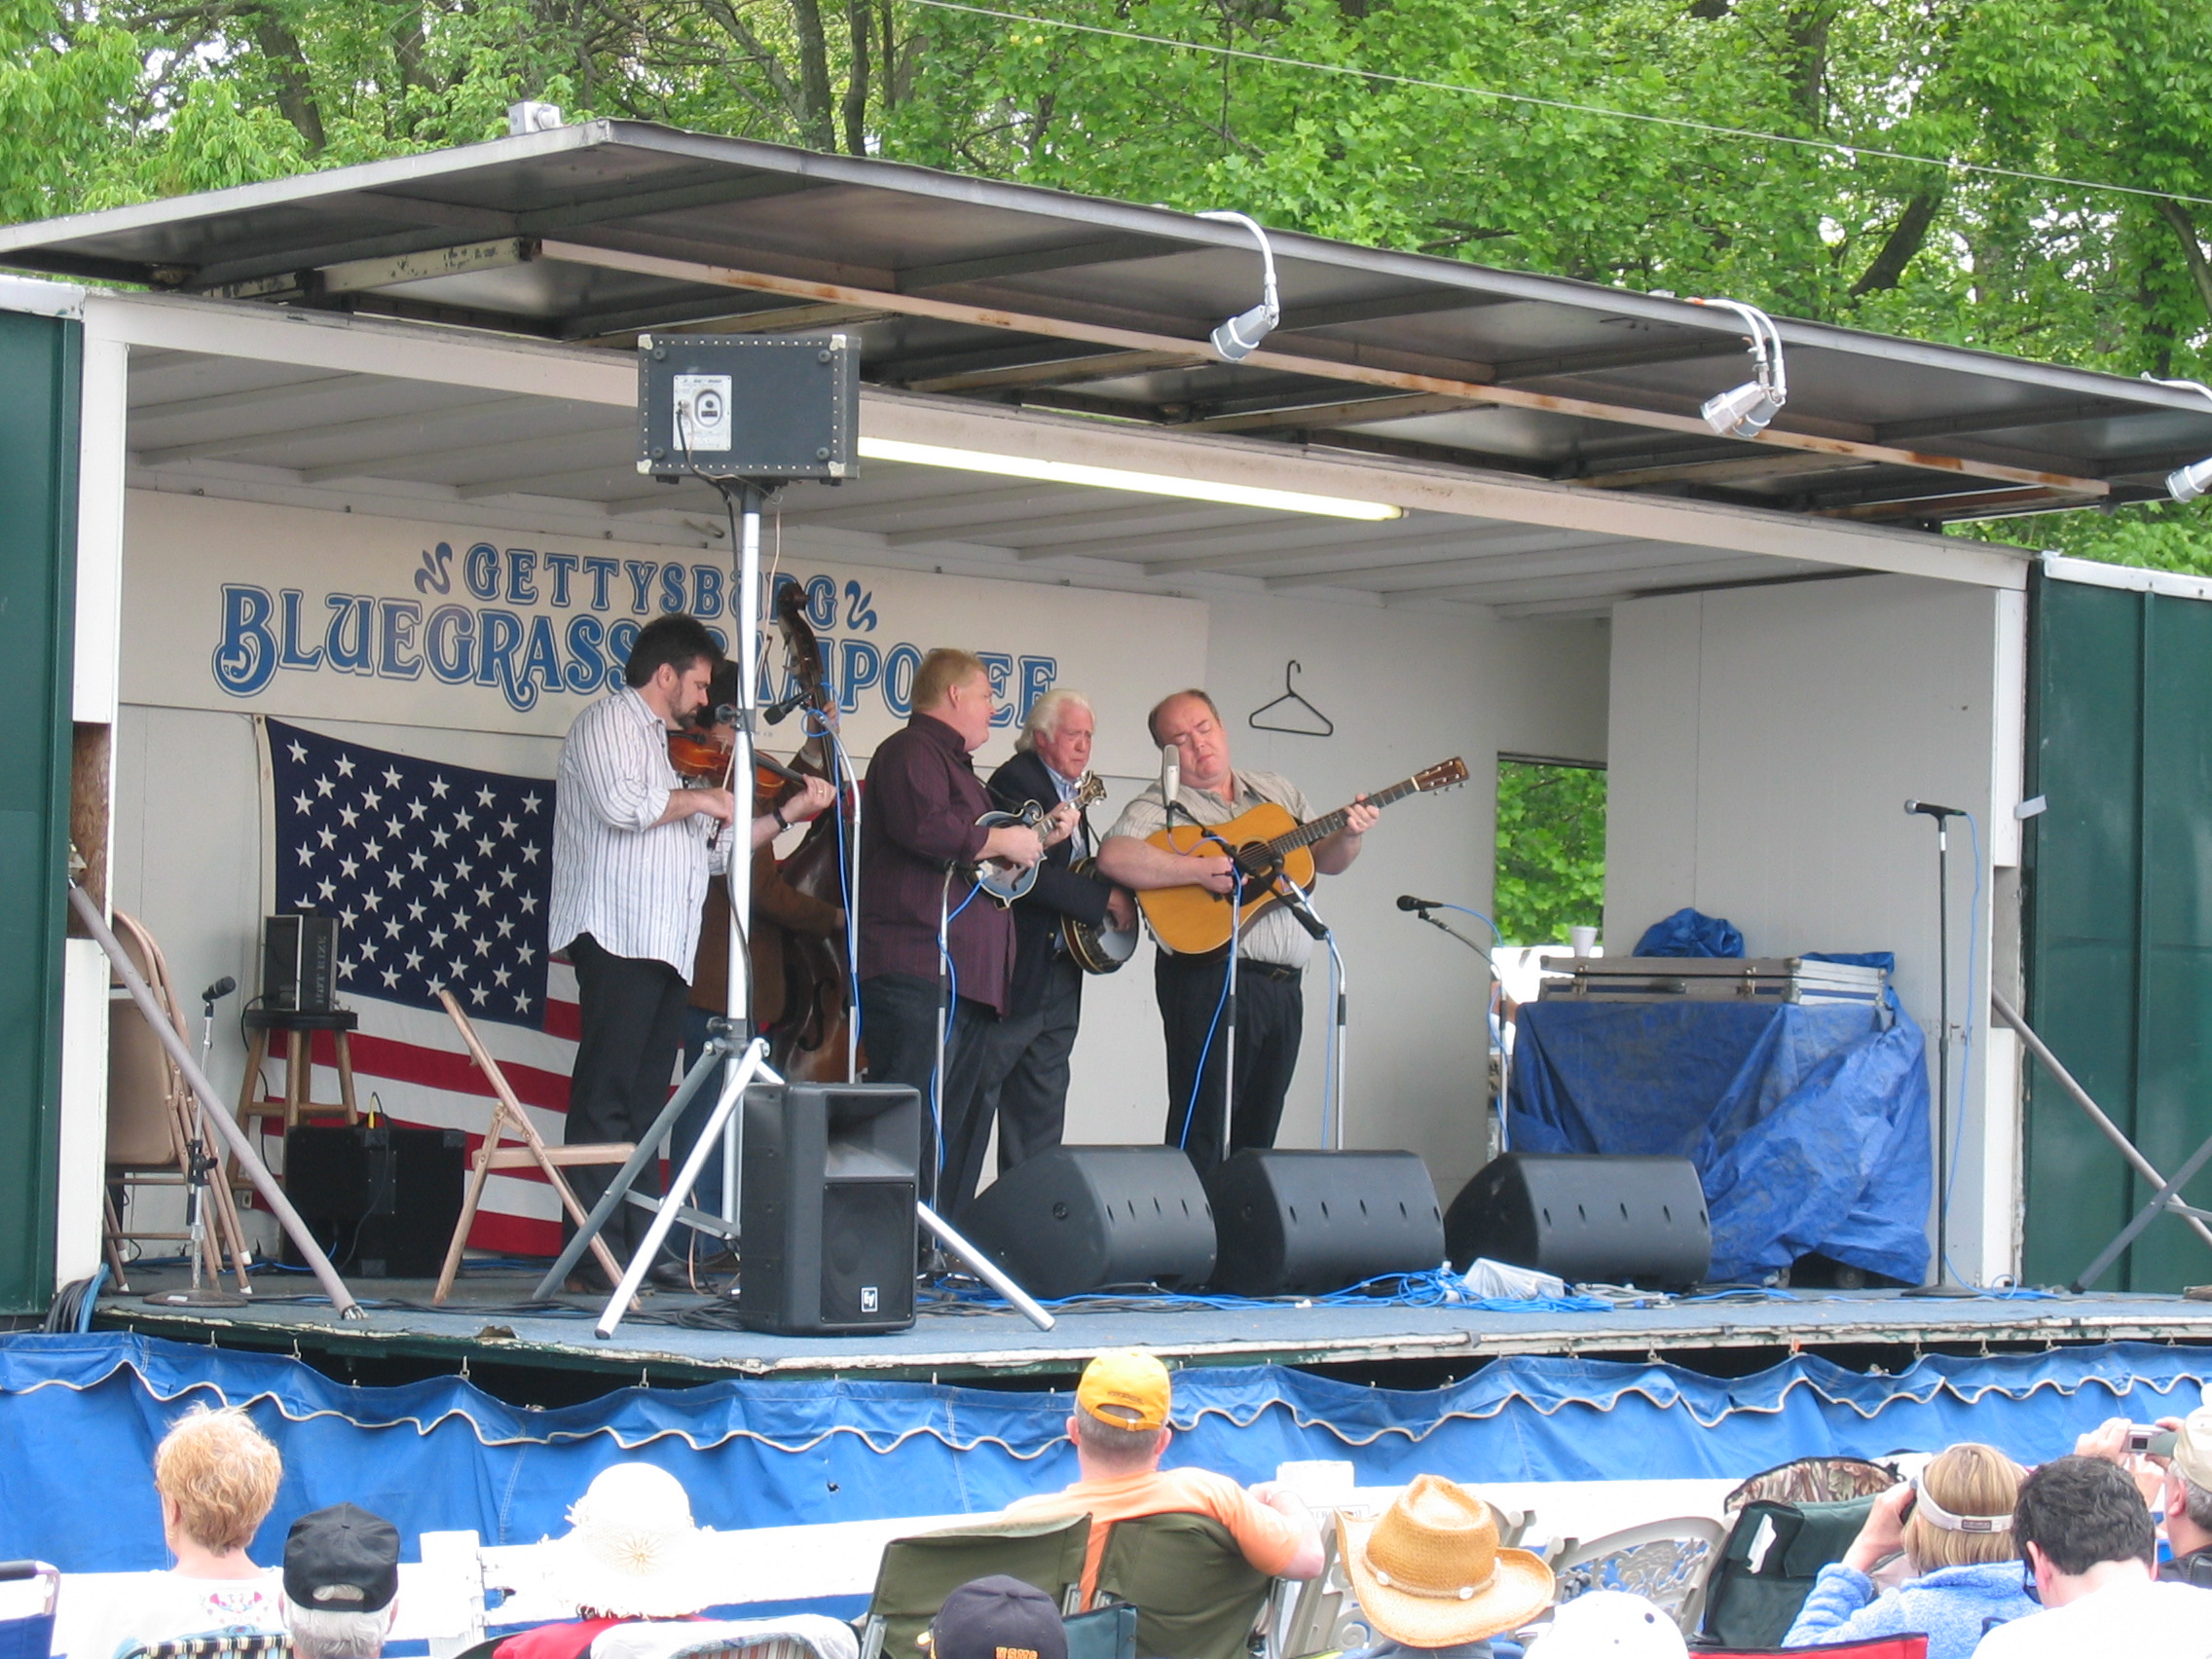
{"points": [[923, 800]]}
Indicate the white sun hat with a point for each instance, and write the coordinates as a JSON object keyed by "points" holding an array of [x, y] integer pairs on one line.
{"points": [[632, 1549], [1609, 1624]]}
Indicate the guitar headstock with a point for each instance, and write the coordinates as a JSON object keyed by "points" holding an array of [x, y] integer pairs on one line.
{"points": [[1444, 775], [1092, 790]]}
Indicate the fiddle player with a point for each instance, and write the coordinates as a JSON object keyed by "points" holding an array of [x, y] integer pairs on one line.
{"points": [[778, 909], [919, 839], [1044, 1003], [632, 850], [1272, 951]]}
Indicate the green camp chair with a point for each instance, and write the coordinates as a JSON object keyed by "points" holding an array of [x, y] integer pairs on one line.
{"points": [[919, 1572], [1195, 1595]]}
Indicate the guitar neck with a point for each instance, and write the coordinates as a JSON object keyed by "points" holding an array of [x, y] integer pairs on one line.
{"points": [[1328, 824]]}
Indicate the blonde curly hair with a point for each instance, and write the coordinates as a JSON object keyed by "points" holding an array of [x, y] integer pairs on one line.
{"points": [[221, 1473]]}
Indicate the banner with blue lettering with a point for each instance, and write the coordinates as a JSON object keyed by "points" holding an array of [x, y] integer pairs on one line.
{"points": [[286, 612]]}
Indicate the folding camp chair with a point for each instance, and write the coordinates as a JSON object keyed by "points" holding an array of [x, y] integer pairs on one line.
{"points": [[31, 1635], [1664, 1562], [1913, 1646], [788, 1635], [217, 1644], [534, 1154], [918, 1573], [1195, 1595], [1765, 1571]]}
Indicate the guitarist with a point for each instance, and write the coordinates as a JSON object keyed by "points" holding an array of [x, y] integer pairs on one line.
{"points": [[1045, 1004], [1271, 1001], [919, 842]]}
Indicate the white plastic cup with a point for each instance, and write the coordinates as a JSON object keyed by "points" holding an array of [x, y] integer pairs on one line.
{"points": [[1584, 940]]}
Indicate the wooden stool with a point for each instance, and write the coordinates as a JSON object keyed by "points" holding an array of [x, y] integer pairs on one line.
{"points": [[299, 1031]]}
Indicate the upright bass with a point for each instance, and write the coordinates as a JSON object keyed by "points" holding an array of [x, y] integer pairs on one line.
{"points": [[811, 1043]]}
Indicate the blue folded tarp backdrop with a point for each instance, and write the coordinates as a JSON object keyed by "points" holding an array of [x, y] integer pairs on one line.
{"points": [[1808, 1125], [80, 1415]]}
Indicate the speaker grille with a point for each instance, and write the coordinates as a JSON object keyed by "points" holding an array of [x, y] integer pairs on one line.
{"points": [[867, 1252]]}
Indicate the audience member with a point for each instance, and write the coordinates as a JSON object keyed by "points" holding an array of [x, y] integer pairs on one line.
{"points": [[1609, 1624], [2178, 1487], [631, 1552], [998, 1618], [216, 1477], [341, 1583], [1955, 1526], [1119, 1429], [2089, 1544], [1430, 1578]]}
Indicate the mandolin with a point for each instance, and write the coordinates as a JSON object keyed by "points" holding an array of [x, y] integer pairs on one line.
{"points": [[1267, 843], [1006, 883]]}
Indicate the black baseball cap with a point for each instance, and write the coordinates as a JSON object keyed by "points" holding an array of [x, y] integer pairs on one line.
{"points": [[341, 1559], [998, 1618]]}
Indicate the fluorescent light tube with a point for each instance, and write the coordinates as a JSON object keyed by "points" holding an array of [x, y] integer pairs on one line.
{"points": [[1115, 478]]}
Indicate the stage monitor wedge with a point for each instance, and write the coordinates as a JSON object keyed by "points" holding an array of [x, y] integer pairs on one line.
{"points": [[749, 406], [1307, 1223], [1088, 1218], [1586, 1217]]}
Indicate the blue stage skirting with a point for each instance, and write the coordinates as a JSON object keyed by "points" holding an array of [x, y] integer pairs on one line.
{"points": [[1808, 1125], [80, 1415]]}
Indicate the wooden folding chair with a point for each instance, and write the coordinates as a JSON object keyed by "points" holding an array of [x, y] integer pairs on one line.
{"points": [[508, 1114]]}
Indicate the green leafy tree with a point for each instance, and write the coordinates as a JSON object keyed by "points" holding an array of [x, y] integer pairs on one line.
{"points": [[1551, 851]]}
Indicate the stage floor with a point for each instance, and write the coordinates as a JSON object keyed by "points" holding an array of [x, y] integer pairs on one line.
{"points": [[489, 1321]]}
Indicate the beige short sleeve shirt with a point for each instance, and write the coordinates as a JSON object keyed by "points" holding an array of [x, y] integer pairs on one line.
{"points": [[1272, 936]]}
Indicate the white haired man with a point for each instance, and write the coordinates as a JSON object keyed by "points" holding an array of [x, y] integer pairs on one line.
{"points": [[1031, 1045], [341, 1583]]}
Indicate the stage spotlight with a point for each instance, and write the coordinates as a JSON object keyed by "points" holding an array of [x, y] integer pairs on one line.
{"points": [[2187, 483], [1235, 339], [1744, 411]]}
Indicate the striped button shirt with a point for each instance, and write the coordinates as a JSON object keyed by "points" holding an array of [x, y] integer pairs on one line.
{"points": [[635, 885]]}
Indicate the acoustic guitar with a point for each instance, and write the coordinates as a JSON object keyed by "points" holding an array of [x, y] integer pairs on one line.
{"points": [[1268, 844], [1006, 882]]}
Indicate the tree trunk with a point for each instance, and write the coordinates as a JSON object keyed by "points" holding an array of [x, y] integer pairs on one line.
{"points": [[816, 111], [1905, 239], [861, 25], [2183, 228], [288, 68]]}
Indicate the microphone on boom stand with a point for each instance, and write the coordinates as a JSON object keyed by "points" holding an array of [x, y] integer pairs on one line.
{"points": [[1944, 1284], [1420, 906]]}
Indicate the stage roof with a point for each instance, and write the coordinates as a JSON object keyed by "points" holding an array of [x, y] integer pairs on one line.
{"points": [[1003, 294]]}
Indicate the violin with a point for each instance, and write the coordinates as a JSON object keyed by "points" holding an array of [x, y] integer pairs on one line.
{"points": [[701, 759]]}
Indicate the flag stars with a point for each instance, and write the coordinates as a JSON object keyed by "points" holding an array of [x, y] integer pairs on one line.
{"points": [[348, 867], [529, 852], [414, 861], [439, 837], [483, 947], [326, 891], [529, 904], [307, 856], [415, 910], [414, 961], [396, 876], [506, 877], [372, 900], [525, 954], [392, 979], [391, 777], [501, 977], [349, 916], [508, 826], [484, 845], [391, 826], [522, 1002], [348, 816], [437, 939], [505, 927], [298, 751], [438, 886], [464, 870], [301, 803], [462, 818], [371, 799], [344, 765], [416, 809], [438, 788], [485, 797], [482, 896], [479, 994], [531, 802], [391, 927], [323, 788], [327, 836]]}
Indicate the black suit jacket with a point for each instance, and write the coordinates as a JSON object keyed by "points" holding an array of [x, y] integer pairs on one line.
{"points": [[1058, 891]]}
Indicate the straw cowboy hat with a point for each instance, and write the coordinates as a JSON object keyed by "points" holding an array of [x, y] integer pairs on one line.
{"points": [[632, 1549], [1429, 1573]]}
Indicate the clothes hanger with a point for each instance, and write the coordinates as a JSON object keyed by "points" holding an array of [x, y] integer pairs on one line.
{"points": [[1290, 695]]}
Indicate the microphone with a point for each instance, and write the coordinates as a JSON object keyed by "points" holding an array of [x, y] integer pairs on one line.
{"points": [[221, 989], [1407, 902], [1929, 809], [1170, 773]]}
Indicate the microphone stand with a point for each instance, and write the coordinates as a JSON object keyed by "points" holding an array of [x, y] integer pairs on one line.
{"points": [[1944, 1285], [1489, 967], [1301, 903]]}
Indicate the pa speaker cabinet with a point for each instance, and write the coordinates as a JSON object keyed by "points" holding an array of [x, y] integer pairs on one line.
{"points": [[1588, 1218], [1083, 1218], [381, 1202], [828, 1192], [749, 405], [1305, 1223], [299, 961]]}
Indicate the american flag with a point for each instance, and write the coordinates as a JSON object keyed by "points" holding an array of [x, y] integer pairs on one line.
{"points": [[440, 876]]}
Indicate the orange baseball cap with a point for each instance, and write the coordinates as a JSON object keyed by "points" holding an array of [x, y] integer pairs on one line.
{"points": [[1125, 1387]]}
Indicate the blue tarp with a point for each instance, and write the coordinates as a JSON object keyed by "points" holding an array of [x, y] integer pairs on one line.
{"points": [[1808, 1125], [1691, 933], [78, 1417]]}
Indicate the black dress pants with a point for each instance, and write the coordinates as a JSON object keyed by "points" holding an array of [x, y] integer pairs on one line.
{"points": [[631, 1014], [1031, 1067], [899, 1025], [1270, 1020]]}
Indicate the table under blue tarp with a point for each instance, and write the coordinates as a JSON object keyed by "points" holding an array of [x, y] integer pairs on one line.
{"points": [[1808, 1123]]}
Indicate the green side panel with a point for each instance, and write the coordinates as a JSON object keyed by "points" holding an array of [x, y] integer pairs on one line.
{"points": [[39, 364], [2118, 922]]}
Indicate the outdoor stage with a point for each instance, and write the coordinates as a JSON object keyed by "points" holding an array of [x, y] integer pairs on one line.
{"points": [[489, 1320]]}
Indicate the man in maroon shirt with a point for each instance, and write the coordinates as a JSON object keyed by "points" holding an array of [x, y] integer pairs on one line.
{"points": [[919, 841]]}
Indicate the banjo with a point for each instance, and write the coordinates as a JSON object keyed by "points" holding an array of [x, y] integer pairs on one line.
{"points": [[1098, 949]]}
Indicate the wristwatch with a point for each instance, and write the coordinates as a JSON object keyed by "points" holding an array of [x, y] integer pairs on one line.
{"points": [[782, 822]]}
